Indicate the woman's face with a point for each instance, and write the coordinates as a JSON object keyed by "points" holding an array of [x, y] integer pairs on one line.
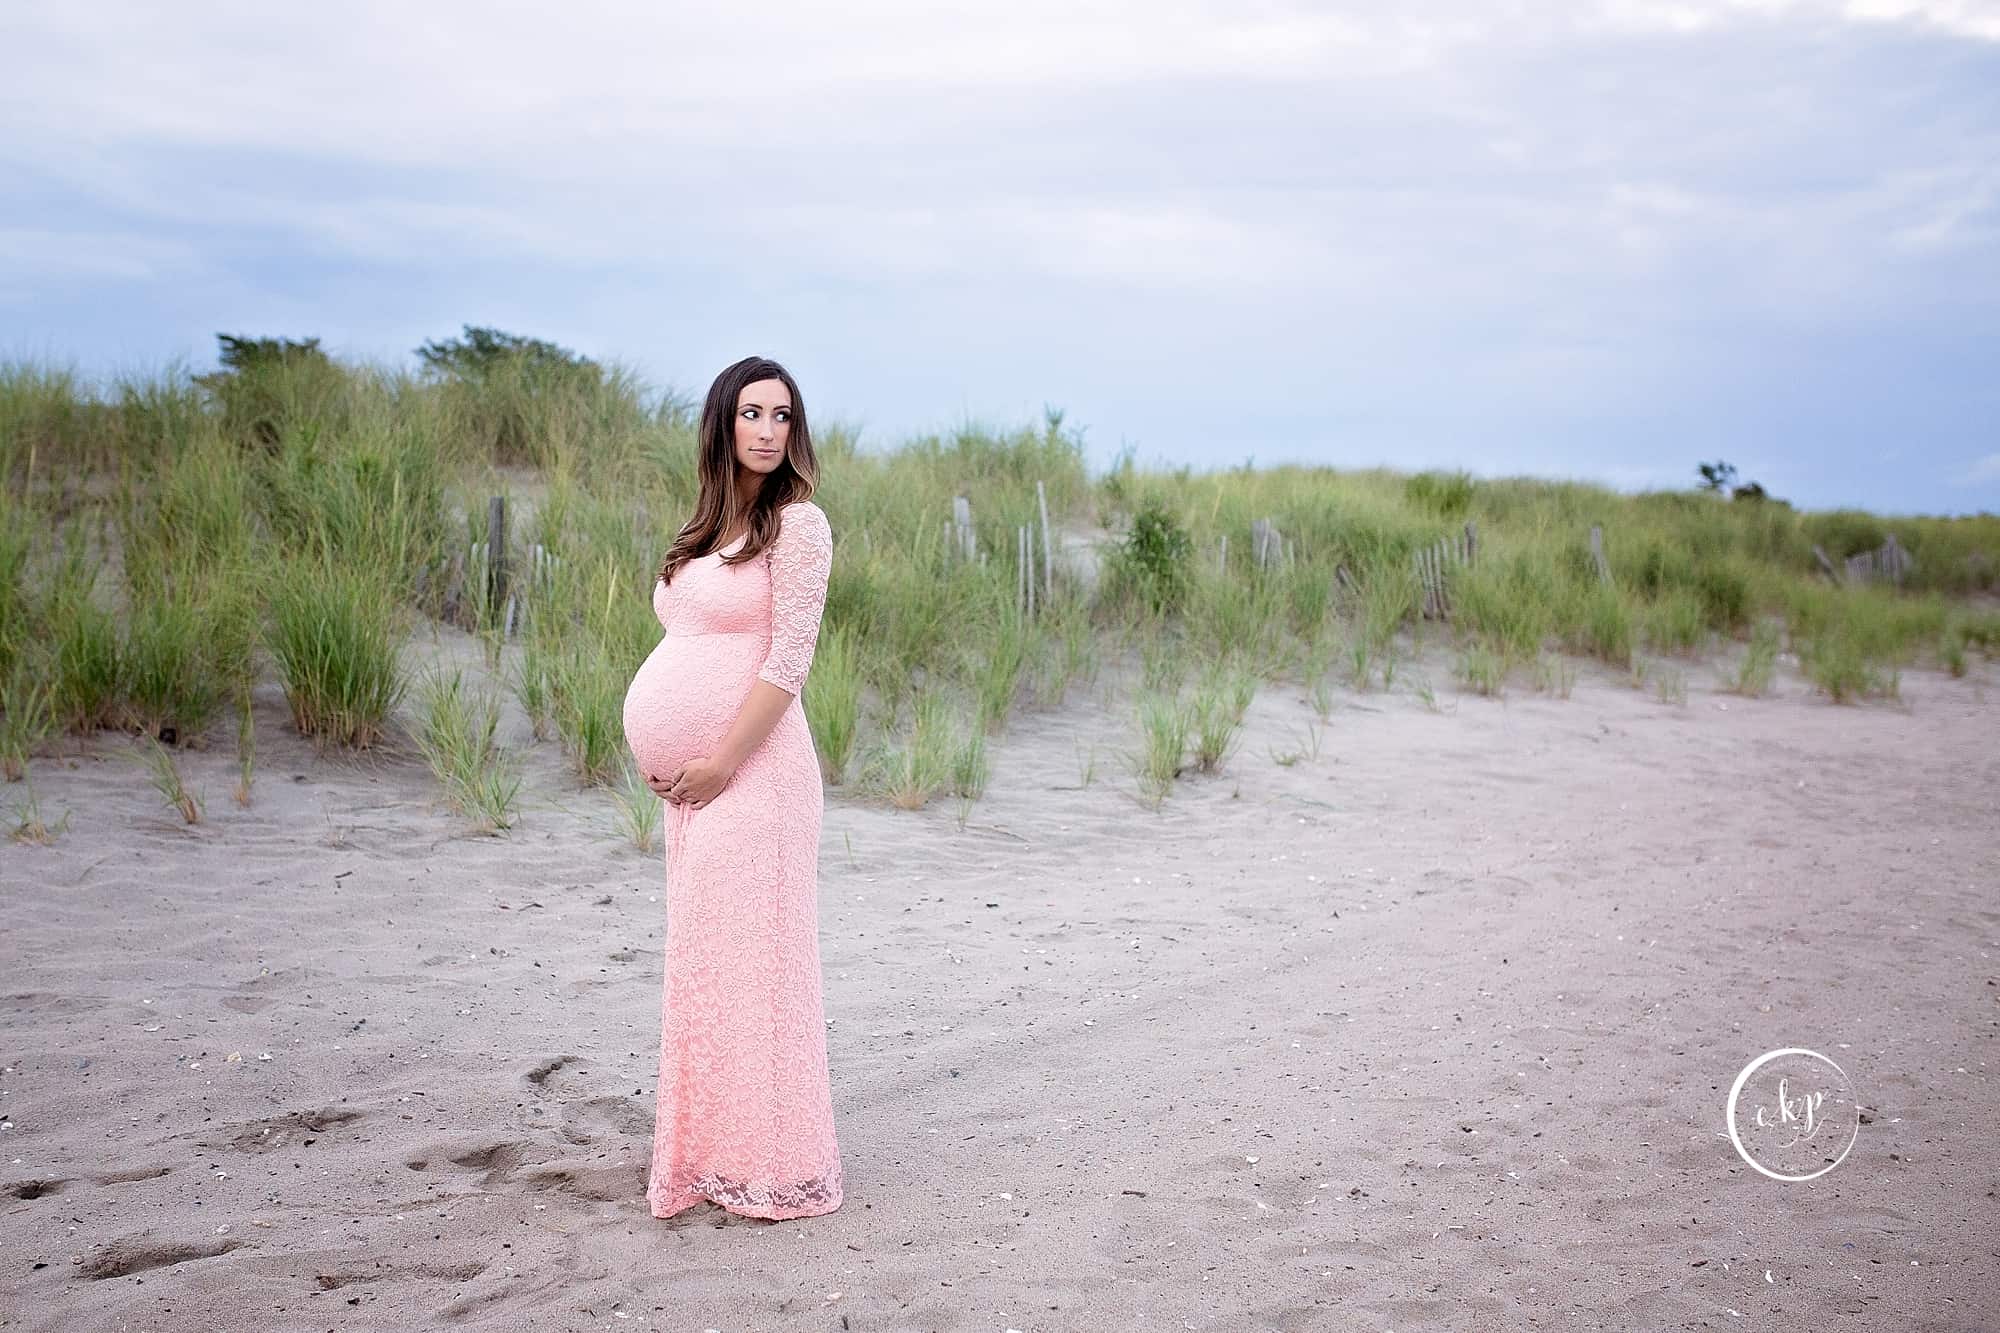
{"points": [[763, 428]]}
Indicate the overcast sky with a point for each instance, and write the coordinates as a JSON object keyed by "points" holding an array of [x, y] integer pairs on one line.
{"points": [[1604, 240]]}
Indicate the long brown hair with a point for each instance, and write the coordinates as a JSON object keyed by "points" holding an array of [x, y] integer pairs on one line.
{"points": [[715, 459]]}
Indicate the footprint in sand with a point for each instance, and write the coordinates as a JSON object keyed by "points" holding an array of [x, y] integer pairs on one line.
{"points": [[515, 1164], [534, 1163], [137, 1253], [458, 1272], [303, 1127]]}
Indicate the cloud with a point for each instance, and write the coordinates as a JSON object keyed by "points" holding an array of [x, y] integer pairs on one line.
{"points": [[1964, 18], [52, 252], [1444, 151], [1528, 223]]}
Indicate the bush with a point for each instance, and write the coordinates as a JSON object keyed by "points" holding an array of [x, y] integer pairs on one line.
{"points": [[1844, 532], [1446, 494], [524, 399], [482, 352], [269, 386], [1154, 557]]}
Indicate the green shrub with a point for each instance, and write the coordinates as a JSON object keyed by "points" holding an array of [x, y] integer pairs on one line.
{"points": [[1154, 557], [1446, 494], [270, 387], [1844, 532]]}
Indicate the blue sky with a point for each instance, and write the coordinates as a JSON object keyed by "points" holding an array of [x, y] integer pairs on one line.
{"points": [[1594, 240]]}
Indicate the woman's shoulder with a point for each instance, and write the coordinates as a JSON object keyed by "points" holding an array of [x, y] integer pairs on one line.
{"points": [[807, 514]]}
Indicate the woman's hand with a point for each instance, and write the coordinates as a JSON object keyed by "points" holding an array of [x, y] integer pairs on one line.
{"points": [[698, 782]]}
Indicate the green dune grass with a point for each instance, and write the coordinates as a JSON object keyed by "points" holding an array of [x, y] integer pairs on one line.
{"points": [[168, 541]]}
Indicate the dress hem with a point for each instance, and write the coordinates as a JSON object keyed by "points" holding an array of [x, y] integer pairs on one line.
{"points": [[769, 1215]]}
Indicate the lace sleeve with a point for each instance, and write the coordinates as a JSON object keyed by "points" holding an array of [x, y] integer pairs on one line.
{"points": [[800, 559]]}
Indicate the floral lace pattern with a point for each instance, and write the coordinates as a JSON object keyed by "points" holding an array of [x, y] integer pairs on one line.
{"points": [[800, 558], [744, 1110]]}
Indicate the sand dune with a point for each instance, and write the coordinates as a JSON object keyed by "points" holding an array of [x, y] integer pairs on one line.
{"points": [[1430, 1031]]}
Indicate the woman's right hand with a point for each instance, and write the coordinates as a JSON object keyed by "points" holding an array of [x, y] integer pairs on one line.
{"points": [[661, 788]]}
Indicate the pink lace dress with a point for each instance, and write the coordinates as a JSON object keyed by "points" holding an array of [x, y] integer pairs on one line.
{"points": [[744, 1112]]}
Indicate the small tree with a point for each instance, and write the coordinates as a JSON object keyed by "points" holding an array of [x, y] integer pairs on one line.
{"points": [[1718, 477], [248, 354], [265, 383], [519, 397], [482, 353]]}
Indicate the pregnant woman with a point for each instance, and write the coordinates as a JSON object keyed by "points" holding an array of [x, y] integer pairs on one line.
{"points": [[744, 1113]]}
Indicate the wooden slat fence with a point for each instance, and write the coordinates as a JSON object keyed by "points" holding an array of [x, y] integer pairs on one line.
{"points": [[1887, 561], [1435, 564]]}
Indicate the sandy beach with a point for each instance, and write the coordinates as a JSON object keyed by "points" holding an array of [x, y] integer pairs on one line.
{"points": [[1432, 1030]]}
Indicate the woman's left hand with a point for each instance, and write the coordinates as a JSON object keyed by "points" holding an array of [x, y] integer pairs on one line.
{"points": [[699, 782]]}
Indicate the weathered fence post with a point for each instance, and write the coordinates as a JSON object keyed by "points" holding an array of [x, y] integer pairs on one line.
{"points": [[961, 512], [1265, 542], [1222, 555], [1597, 554], [1432, 564], [1048, 559], [1428, 608], [496, 554], [1024, 568], [1895, 558], [1024, 552], [454, 589]]}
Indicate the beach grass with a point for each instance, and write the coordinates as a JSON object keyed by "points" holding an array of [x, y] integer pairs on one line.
{"points": [[640, 808], [909, 768], [457, 735], [335, 632], [168, 539], [29, 826], [1165, 721]]}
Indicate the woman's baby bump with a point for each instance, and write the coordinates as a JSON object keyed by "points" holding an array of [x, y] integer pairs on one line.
{"points": [[687, 694]]}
